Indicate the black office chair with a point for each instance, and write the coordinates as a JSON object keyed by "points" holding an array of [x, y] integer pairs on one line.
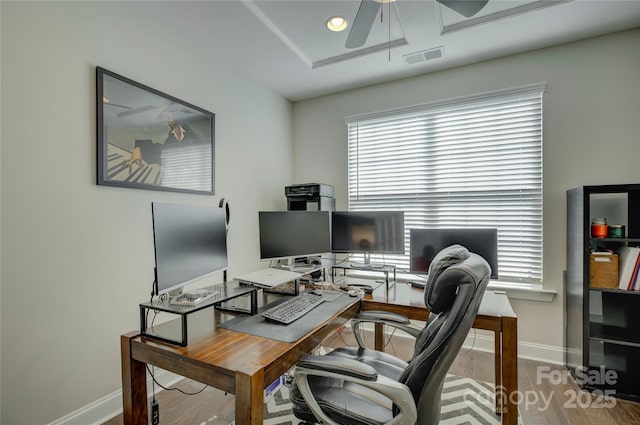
{"points": [[359, 386]]}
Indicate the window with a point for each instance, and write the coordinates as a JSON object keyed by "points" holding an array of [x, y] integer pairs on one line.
{"points": [[474, 162]]}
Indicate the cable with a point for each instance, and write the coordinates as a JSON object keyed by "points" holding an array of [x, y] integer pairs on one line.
{"points": [[393, 330], [153, 292], [344, 260], [153, 382], [162, 297], [341, 337], [389, 24], [153, 378], [473, 343]]}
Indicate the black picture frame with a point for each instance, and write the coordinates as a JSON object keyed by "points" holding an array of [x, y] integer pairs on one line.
{"points": [[151, 140]]}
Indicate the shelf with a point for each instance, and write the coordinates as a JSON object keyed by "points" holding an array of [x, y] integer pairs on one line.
{"points": [[614, 315], [619, 240], [616, 341], [618, 358], [225, 292], [380, 268], [615, 291], [614, 333]]}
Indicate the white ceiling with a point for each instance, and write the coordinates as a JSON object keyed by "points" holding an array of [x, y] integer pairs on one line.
{"points": [[285, 44]]}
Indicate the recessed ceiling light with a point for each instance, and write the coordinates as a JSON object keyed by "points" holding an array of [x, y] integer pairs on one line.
{"points": [[336, 23]]}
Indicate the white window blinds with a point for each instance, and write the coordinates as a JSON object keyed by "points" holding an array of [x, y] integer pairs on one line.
{"points": [[470, 163]]}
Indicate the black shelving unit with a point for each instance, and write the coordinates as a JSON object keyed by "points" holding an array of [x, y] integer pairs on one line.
{"points": [[602, 333]]}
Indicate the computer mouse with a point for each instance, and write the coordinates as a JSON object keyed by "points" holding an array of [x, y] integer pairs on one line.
{"points": [[352, 293], [316, 292]]}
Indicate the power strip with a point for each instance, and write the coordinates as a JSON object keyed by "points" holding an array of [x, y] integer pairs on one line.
{"points": [[155, 412]]}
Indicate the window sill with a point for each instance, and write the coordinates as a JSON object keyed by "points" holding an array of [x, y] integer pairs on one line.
{"points": [[515, 291], [523, 291]]}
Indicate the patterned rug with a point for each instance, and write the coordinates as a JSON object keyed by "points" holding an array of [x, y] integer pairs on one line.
{"points": [[464, 401]]}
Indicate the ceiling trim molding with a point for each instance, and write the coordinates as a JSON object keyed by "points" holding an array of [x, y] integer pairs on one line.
{"points": [[259, 13], [507, 13], [361, 52]]}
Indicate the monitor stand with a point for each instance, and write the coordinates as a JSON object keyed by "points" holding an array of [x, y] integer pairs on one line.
{"points": [[366, 264], [288, 264], [292, 265], [367, 258]]}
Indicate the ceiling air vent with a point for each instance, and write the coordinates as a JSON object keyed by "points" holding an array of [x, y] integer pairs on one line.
{"points": [[424, 55]]}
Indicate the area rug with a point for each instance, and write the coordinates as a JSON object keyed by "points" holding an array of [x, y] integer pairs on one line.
{"points": [[464, 401]]}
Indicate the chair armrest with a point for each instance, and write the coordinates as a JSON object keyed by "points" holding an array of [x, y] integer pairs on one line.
{"points": [[324, 366], [339, 365], [387, 318]]}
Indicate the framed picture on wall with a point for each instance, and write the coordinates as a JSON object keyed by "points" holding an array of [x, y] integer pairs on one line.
{"points": [[150, 140]]}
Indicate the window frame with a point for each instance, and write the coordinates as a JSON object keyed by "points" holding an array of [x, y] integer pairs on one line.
{"points": [[356, 201]]}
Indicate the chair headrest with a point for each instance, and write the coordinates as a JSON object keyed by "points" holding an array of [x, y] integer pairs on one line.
{"points": [[439, 291], [444, 259]]}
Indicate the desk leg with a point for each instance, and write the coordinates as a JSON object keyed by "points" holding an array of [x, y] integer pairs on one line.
{"points": [[134, 385], [499, 394], [510, 369], [249, 398], [378, 336]]}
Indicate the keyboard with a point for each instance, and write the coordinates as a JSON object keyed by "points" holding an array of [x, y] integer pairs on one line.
{"points": [[293, 308]]}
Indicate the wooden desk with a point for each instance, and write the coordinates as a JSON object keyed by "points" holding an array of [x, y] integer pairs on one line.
{"points": [[244, 364], [495, 314], [234, 362]]}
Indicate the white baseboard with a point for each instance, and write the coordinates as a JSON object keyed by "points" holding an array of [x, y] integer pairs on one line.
{"points": [[109, 406], [483, 341]]}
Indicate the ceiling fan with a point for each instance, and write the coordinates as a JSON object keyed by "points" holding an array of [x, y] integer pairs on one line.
{"points": [[368, 11]]}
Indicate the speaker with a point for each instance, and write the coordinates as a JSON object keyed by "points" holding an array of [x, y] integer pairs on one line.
{"points": [[227, 212]]}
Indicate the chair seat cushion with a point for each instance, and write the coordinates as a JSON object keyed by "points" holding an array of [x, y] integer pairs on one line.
{"points": [[365, 406]]}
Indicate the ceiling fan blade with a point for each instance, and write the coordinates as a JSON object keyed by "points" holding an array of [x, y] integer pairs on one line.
{"points": [[466, 8], [362, 23]]}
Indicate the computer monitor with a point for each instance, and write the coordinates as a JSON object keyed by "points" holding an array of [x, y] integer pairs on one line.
{"points": [[190, 243], [368, 232], [291, 234], [424, 244]]}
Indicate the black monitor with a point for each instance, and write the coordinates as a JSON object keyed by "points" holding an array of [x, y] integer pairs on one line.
{"points": [[424, 244], [290, 234], [190, 243], [368, 232]]}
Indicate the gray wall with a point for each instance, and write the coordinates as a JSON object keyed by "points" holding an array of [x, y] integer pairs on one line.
{"points": [[591, 112], [78, 258]]}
